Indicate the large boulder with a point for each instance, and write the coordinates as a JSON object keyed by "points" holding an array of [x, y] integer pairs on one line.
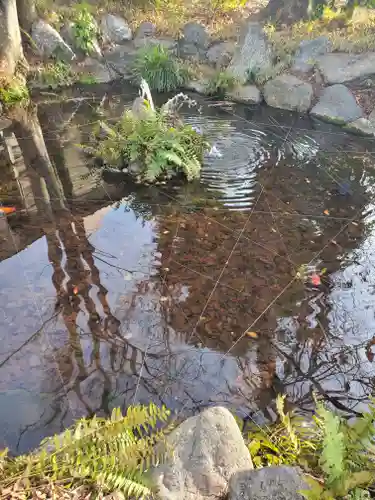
{"points": [[308, 51], [207, 450], [341, 68], [146, 29], [100, 72], [168, 44], [194, 43], [119, 59], [115, 29], [49, 42], [276, 483], [337, 105], [252, 54], [220, 54], [288, 92], [246, 94]]}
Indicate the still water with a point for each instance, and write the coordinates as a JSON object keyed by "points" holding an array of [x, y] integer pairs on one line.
{"points": [[195, 295]]}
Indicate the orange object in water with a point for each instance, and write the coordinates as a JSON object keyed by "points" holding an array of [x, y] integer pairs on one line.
{"points": [[7, 210]]}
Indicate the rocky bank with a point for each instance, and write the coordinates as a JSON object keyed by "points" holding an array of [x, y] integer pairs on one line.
{"points": [[318, 81], [208, 460]]}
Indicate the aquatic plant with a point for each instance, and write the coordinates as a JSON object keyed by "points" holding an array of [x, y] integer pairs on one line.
{"points": [[221, 83], [339, 456], [97, 454], [153, 143], [159, 68], [85, 28]]}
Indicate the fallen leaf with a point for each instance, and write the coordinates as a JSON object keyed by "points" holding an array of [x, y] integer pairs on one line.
{"points": [[315, 279], [354, 223], [326, 212], [323, 271], [252, 335], [165, 232], [307, 180], [75, 290]]}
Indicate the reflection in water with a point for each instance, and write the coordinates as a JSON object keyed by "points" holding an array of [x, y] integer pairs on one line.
{"points": [[151, 297]]}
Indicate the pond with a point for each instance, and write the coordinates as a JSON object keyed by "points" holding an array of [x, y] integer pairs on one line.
{"points": [[257, 280]]}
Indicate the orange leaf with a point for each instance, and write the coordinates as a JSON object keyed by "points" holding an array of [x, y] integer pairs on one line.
{"points": [[75, 290], [252, 335], [326, 212]]}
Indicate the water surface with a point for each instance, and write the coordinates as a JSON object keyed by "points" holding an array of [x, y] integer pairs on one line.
{"points": [[150, 293]]}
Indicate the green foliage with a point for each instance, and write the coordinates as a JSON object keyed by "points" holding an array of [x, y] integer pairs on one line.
{"points": [[227, 5], [103, 454], [59, 74], [159, 68], [153, 142], [14, 93], [85, 28], [86, 79], [340, 453], [220, 84]]}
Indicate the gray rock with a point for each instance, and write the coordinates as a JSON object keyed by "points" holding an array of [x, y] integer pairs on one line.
{"points": [[194, 43], [146, 29], [220, 54], [207, 450], [101, 72], [247, 94], [167, 43], [67, 32], [115, 29], [119, 58], [337, 105], [288, 92], [276, 483], [49, 42], [307, 52], [253, 52], [198, 86], [196, 34], [341, 68], [362, 126]]}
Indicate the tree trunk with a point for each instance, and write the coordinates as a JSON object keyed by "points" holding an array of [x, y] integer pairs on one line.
{"points": [[30, 138], [26, 14], [10, 39]]}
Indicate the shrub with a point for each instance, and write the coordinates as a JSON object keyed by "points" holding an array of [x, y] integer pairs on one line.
{"points": [[159, 68], [220, 84], [98, 454], [341, 455], [13, 93], [85, 29]]}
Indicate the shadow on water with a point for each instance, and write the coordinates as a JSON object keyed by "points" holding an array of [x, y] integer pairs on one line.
{"points": [[140, 294]]}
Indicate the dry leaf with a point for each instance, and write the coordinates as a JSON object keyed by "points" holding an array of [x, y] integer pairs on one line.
{"points": [[354, 223], [75, 290], [326, 212], [252, 335]]}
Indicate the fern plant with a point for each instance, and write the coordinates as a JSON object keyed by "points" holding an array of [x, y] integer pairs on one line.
{"points": [[220, 84], [156, 141], [159, 68], [85, 29], [339, 456], [103, 454]]}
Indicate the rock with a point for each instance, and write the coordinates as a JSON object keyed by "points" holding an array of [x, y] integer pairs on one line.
{"points": [[337, 105], [67, 32], [220, 54], [278, 483], [195, 33], [362, 126], [308, 51], [194, 43], [341, 68], [119, 58], [48, 42], [288, 92], [247, 94], [253, 52], [101, 72], [207, 450], [115, 29], [198, 86], [146, 29], [167, 43]]}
